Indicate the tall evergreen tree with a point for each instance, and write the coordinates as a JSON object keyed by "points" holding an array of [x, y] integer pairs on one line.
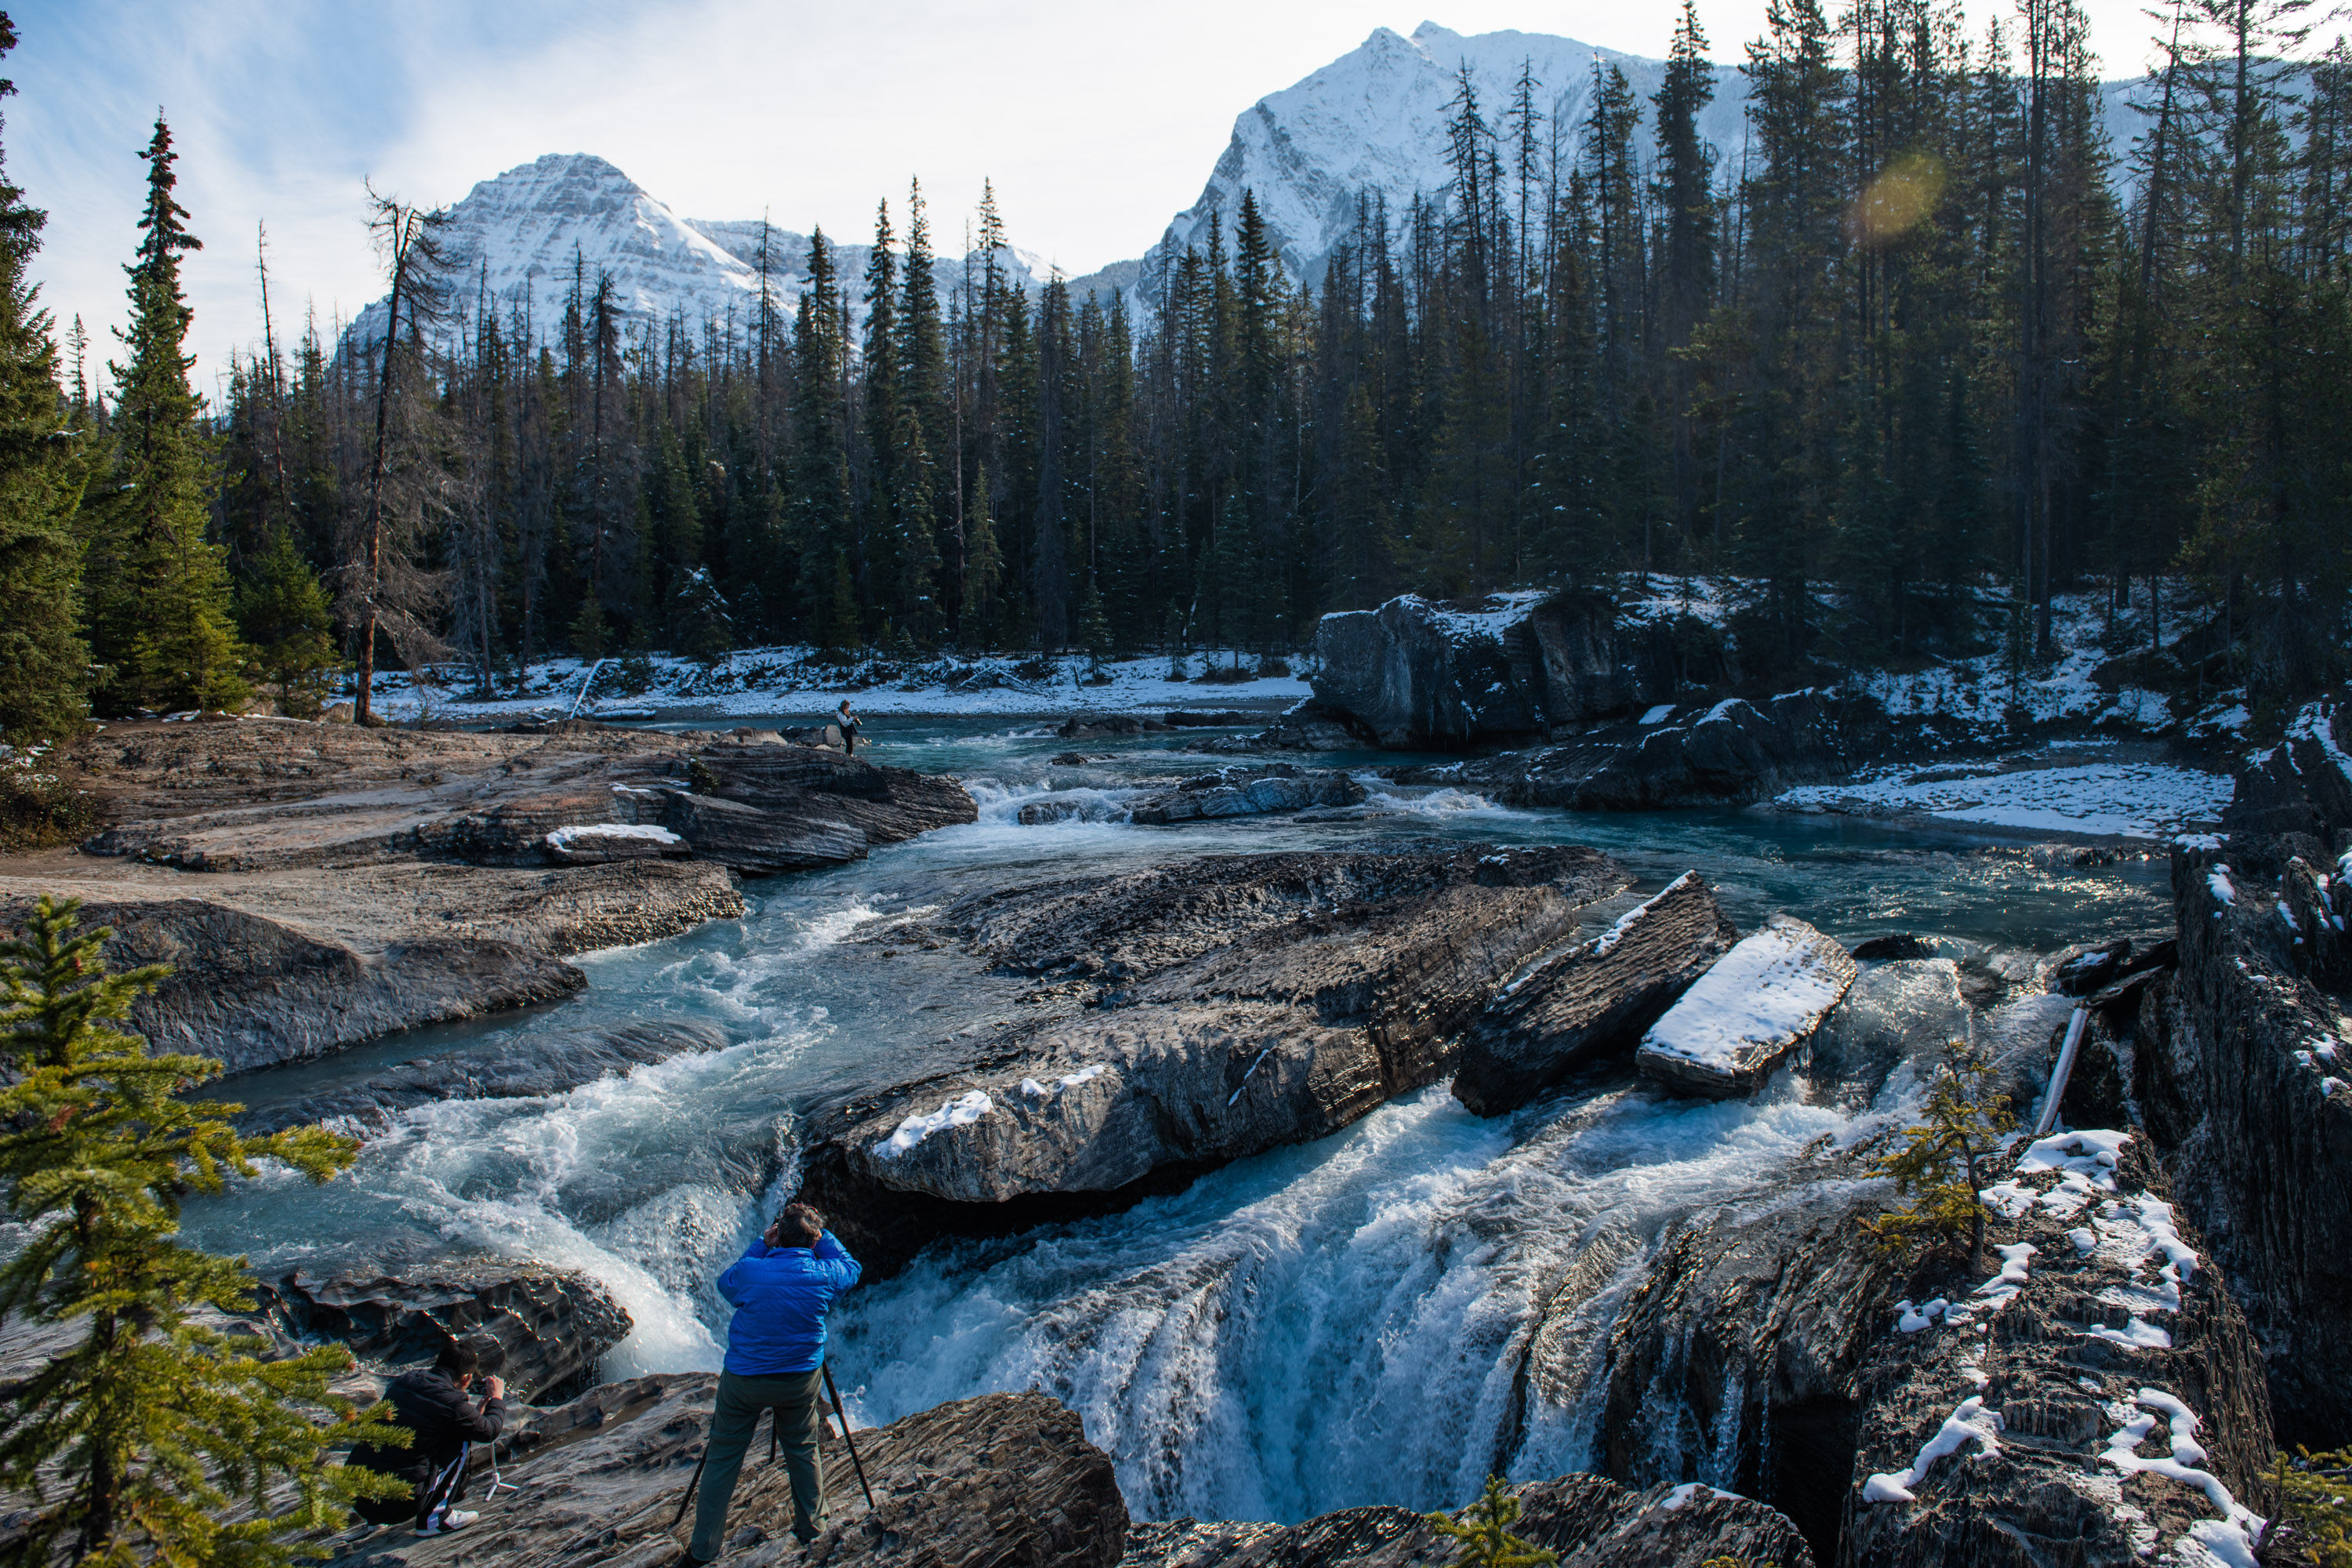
{"points": [[159, 615], [42, 659]]}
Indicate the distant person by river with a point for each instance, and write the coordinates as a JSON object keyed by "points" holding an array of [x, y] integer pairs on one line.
{"points": [[849, 724]]}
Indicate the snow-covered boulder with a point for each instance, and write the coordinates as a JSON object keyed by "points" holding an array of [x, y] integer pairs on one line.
{"points": [[1424, 676], [1593, 1000], [1759, 1001]]}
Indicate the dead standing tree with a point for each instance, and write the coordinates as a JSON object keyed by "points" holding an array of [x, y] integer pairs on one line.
{"points": [[382, 585]]}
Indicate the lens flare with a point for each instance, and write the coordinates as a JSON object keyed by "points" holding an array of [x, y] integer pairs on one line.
{"points": [[1902, 195]]}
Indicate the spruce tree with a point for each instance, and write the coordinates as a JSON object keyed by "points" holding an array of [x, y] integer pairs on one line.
{"points": [[43, 661], [284, 612], [132, 1445], [159, 608]]}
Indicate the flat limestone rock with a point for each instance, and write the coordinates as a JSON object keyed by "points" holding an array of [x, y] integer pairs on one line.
{"points": [[1723, 1039], [1005, 1480], [1592, 1001], [1241, 1002]]}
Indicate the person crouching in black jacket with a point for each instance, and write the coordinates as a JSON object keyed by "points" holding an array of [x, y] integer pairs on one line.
{"points": [[431, 1403]]}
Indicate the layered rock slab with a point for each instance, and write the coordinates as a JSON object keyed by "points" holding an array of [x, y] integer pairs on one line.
{"points": [[1757, 1004], [1003, 1479], [1252, 792], [1593, 1001], [1223, 1006]]}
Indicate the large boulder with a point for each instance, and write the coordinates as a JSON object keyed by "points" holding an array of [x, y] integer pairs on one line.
{"points": [[1221, 1007], [1755, 1004], [1592, 1001], [1423, 675], [1006, 1480]]}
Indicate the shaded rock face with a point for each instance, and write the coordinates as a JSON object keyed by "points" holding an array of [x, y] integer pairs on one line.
{"points": [[515, 1068], [1221, 1007], [1426, 676], [801, 806], [2110, 1347], [1591, 1002], [1733, 754], [1247, 792], [1312, 725], [2242, 1063], [541, 1329], [1003, 1479], [1589, 1520]]}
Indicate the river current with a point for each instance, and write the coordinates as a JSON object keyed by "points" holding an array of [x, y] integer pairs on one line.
{"points": [[1318, 1327]]}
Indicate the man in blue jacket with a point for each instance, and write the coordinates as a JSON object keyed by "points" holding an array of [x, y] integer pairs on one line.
{"points": [[781, 1289]]}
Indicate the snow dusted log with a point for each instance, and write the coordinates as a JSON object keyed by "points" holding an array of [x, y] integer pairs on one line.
{"points": [[1729, 1030], [1593, 1000]]}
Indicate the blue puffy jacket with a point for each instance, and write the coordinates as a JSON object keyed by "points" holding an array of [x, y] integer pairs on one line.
{"points": [[780, 1295]]}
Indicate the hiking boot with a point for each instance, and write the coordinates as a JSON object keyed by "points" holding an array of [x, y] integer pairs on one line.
{"points": [[455, 1518]]}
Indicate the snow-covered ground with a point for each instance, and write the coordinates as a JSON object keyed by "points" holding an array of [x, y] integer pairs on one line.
{"points": [[767, 682], [2127, 800]]}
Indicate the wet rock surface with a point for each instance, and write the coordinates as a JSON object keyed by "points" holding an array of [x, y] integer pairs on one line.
{"points": [[2098, 1401], [1589, 1520], [514, 1067], [1591, 1002], [1311, 725], [543, 1329], [1204, 1011], [1003, 1479]]}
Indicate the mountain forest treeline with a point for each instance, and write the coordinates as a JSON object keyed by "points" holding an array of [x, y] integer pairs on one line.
{"points": [[1932, 336]]}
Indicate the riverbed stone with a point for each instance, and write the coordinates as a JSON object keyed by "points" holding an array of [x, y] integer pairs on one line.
{"points": [[1592, 1000], [1260, 791]]}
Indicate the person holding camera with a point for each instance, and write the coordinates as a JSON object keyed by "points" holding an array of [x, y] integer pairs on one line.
{"points": [[848, 722], [781, 1288], [431, 1403]]}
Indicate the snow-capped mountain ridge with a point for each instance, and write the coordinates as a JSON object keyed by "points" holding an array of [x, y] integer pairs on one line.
{"points": [[522, 241]]}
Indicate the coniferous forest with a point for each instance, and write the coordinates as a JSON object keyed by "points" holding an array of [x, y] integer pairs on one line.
{"points": [[1933, 345]]}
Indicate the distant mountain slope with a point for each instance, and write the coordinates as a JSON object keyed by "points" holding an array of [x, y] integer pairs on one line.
{"points": [[519, 241]]}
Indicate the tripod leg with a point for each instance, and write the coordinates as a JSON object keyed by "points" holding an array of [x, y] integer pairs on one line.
{"points": [[855, 1463]]}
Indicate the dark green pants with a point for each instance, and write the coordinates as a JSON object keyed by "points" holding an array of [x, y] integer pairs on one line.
{"points": [[797, 1398]]}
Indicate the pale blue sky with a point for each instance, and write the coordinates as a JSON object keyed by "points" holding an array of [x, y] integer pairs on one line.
{"points": [[1098, 123]]}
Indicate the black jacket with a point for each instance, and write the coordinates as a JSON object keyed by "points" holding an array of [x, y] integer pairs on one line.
{"points": [[429, 1403]]}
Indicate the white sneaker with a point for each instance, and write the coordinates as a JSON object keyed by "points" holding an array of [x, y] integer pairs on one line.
{"points": [[455, 1518]]}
